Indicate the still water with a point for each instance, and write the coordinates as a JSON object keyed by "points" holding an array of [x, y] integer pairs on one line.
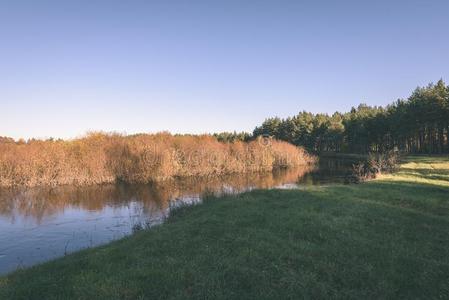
{"points": [[39, 224]]}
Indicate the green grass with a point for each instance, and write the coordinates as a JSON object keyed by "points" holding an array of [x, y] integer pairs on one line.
{"points": [[433, 170], [387, 238]]}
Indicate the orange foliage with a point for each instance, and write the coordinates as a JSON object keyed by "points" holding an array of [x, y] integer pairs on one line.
{"points": [[103, 158]]}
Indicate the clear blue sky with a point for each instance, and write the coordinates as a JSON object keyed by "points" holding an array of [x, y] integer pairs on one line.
{"points": [[67, 67]]}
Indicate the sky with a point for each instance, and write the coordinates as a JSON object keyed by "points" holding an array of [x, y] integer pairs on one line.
{"points": [[68, 67]]}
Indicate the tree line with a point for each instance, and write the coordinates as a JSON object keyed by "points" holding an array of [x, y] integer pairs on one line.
{"points": [[419, 124]]}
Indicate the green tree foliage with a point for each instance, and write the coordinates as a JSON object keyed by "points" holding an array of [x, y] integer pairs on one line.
{"points": [[419, 124], [231, 137]]}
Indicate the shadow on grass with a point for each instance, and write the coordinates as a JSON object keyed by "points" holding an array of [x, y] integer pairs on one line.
{"points": [[421, 198]]}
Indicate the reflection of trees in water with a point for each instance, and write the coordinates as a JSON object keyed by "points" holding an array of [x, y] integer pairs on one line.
{"points": [[332, 169], [154, 198]]}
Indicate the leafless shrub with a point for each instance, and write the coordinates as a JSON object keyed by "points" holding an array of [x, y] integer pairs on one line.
{"points": [[376, 164]]}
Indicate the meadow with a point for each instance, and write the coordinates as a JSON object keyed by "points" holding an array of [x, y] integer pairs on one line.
{"points": [[382, 239], [104, 158]]}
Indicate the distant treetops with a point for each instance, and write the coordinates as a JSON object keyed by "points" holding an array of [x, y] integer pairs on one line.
{"points": [[419, 124]]}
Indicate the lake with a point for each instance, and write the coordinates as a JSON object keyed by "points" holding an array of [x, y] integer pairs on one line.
{"points": [[38, 224]]}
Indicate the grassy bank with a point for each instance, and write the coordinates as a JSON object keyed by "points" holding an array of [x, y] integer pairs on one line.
{"points": [[386, 238], [104, 158]]}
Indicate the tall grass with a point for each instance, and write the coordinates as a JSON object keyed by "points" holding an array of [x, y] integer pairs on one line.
{"points": [[104, 158]]}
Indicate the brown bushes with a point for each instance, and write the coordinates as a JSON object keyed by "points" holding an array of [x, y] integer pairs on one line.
{"points": [[102, 158]]}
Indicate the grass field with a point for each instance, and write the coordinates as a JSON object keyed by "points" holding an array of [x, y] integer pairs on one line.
{"points": [[388, 238]]}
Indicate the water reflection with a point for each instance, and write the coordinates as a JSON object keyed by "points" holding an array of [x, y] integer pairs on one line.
{"points": [[37, 204], [42, 223]]}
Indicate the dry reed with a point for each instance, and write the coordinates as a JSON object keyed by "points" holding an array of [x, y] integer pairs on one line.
{"points": [[103, 158]]}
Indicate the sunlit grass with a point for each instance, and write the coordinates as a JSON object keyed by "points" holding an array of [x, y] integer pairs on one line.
{"points": [[422, 169]]}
